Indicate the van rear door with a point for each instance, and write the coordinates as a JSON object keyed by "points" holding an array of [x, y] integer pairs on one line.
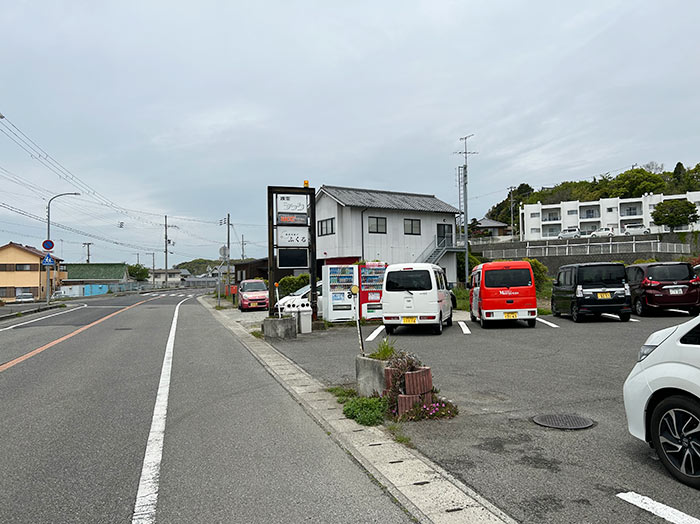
{"points": [[508, 288]]}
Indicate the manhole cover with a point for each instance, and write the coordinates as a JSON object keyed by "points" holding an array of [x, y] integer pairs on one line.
{"points": [[565, 421]]}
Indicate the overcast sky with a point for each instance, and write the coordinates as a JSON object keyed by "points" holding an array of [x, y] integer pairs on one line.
{"points": [[192, 108]]}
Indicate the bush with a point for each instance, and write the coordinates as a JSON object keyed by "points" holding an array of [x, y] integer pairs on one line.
{"points": [[644, 261], [436, 408], [368, 411], [539, 270], [343, 394], [385, 350], [290, 284]]}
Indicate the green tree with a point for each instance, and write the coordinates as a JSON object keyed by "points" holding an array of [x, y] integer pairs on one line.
{"points": [[674, 213], [138, 272], [635, 182]]}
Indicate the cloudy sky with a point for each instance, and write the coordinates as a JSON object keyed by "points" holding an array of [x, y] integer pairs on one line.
{"points": [[191, 109]]}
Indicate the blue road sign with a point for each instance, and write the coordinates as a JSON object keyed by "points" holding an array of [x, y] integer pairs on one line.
{"points": [[47, 245], [48, 260]]}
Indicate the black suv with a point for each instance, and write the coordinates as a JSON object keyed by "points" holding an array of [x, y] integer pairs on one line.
{"points": [[663, 285], [591, 289]]}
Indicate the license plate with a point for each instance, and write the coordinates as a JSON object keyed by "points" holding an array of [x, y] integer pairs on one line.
{"points": [[510, 315], [253, 304], [604, 295], [408, 320], [675, 291]]}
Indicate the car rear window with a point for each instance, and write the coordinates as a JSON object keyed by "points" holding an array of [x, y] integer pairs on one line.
{"points": [[409, 280], [605, 275], [254, 286], [507, 278], [670, 272]]}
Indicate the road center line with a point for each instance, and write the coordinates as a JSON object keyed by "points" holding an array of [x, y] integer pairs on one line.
{"points": [[42, 318], [147, 495], [547, 322], [465, 329], [660, 510], [8, 365], [374, 334]]}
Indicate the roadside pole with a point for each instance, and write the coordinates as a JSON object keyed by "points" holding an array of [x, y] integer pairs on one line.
{"points": [[354, 294]]}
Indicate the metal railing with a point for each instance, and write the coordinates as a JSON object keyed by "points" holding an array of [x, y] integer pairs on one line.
{"points": [[602, 248], [434, 246]]}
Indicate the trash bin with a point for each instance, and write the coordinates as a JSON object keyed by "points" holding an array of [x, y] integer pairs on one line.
{"points": [[304, 318]]}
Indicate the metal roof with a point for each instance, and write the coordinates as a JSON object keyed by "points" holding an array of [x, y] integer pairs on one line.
{"points": [[353, 197], [487, 222]]}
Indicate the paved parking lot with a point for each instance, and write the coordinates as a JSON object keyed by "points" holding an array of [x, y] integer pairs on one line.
{"points": [[502, 377]]}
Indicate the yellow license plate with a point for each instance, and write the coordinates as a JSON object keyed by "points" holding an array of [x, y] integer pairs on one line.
{"points": [[408, 320], [253, 304], [510, 315], [603, 295]]}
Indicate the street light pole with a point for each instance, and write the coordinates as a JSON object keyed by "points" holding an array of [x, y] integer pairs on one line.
{"points": [[48, 237]]}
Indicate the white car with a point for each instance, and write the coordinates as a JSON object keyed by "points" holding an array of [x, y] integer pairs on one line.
{"points": [[569, 232], [603, 232], [24, 297], [301, 297], [637, 229], [662, 399]]}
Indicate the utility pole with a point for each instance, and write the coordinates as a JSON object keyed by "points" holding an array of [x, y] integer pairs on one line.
{"points": [[243, 247], [138, 261], [512, 227], [153, 274], [228, 253], [465, 180], [87, 245], [166, 250]]}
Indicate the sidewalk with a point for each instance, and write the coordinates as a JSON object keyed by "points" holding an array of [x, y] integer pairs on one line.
{"points": [[428, 492]]}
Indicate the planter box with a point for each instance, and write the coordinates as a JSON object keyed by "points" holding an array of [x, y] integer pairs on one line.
{"points": [[388, 377], [369, 373], [419, 382], [406, 402], [285, 327]]}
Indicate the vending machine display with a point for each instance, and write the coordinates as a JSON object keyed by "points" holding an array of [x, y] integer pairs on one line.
{"points": [[337, 281], [371, 281]]}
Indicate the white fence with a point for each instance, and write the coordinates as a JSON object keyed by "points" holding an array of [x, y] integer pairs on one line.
{"points": [[602, 248]]}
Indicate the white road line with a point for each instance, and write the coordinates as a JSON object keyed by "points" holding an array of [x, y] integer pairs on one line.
{"points": [[678, 311], [547, 322], [667, 513], [42, 318], [610, 315], [181, 295], [375, 334], [147, 495], [190, 296], [465, 329]]}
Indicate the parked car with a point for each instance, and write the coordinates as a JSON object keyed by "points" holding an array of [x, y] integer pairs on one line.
{"points": [[252, 294], [59, 294], [502, 291], [569, 232], [301, 297], [636, 229], [663, 285], [662, 399], [415, 294], [24, 297], [591, 289], [603, 232]]}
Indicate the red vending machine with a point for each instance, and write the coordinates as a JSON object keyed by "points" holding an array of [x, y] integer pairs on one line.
{"points": [[371, 281]]}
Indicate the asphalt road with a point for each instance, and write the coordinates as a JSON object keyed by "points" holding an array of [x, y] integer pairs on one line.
{"points": [[502, 377], [78, 391]]}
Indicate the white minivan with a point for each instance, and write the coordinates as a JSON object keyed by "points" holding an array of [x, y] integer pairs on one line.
{"points": [[415, 294]]}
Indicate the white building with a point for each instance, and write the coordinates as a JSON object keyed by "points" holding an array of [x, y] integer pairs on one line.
{"points": [[545, 221], [363, 224]]}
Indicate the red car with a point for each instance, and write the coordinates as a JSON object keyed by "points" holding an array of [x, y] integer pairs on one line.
{"points": [[664, 285], [253, 294]]}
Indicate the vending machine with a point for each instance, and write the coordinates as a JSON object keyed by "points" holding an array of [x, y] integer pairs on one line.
{"points": [[337, 281], [371, 281]]}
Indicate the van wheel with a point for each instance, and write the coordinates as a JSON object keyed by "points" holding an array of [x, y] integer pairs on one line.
{"points": [[575, 315], [553, 307], [531, 322], [482, 321], [438, 328], [471, 316], [389, 329], [639, 308], [449, 320], [624, 317]]}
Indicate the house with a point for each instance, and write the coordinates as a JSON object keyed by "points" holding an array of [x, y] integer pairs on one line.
{"points": [[488, 227], [544, 221], [94, 279], [175, 276], [21, 272], [394, 227]]}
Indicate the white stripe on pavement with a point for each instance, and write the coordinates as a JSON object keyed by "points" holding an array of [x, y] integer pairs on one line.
{"points": [[678, 311], [375, 334], [465, 329], [42, 318], [147, 495], [547, 322], [610, 315], [660, 510]]}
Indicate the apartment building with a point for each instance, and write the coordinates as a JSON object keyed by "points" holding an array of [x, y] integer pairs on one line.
{"points": [[545, 221], [21, 272]]}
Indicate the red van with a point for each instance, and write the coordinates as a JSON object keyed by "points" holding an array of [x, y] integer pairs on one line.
{"points": [[503, 291]]}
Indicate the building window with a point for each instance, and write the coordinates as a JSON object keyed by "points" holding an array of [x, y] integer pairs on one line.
{"points": [[25, 267], [411, 226], [651, 207], [611, 210], [572, 212], [326, 227], [534, 215], [377, 225], [534, 230]]}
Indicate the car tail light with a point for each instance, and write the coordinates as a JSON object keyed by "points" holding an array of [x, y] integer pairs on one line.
{"points": [[695, 281], [647, 282], [489, 314], [579, 291], [532, 312], [391, 318], [627, 290], [645, 351], [427, 317]]}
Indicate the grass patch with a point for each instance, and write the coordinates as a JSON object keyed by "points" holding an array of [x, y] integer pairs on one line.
{"points": [[396, 431], [385, 350], [462, 295], [546, 289], [342, 393], [219, 308], [368, 411], [543, 311], [257, 334]]}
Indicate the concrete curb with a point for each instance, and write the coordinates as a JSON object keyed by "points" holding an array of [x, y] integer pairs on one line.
{"points": [[29, 311], [425, 490]]}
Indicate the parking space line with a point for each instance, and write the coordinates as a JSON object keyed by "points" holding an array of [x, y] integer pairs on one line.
{"points": [[547, 322], [465, 329], [610, 315], [660, 510], [678, 311], [375, 334]]}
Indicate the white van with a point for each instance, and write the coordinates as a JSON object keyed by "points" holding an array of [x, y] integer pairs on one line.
{"points": [[415, 294]]}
